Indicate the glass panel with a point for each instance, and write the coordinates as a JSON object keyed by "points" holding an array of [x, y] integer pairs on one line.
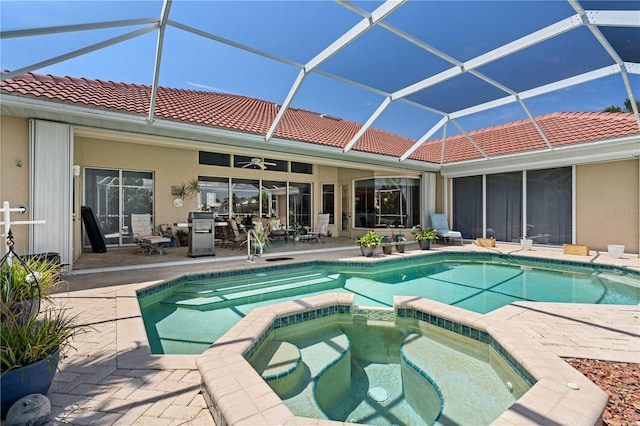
{"points": [[137, 198], [504, 206], [300, 204], [328, 197], [346, 207], [301, 168], [467, 206], [549, 206], [214, 159], [214, 195], [246, 196], [274, 201], [364, 205], [102, 195], [388, 202]]}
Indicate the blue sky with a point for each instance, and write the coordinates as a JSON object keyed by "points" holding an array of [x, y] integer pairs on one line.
{"points": [[296, 31]]}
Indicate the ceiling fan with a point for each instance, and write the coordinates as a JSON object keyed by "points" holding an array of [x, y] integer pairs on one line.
{"points": [[259, 162]]}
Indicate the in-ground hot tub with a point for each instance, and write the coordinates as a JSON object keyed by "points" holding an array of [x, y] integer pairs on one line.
{"points": [[236, 393]]}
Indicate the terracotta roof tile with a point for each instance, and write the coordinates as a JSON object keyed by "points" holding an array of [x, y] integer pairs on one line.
{"points": [[244, 114]]}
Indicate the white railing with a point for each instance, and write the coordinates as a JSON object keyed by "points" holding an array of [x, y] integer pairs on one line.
{"points": [[251, 233], [6, 210]]}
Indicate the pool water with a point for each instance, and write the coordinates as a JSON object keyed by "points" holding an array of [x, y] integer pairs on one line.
{"points": [[188, 316], [379, 388]]}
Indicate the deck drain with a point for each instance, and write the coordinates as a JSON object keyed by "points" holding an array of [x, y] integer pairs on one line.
{"points": [[277, 259], [378, 394]]}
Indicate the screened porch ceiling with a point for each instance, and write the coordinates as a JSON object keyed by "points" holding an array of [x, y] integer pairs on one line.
{"points": [[422, 69]]}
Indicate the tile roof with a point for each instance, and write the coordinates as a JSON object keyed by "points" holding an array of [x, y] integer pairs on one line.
{"points": [[254, 116]]}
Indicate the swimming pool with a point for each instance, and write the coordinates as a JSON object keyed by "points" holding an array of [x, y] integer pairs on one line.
{"points": [[211, 303]]}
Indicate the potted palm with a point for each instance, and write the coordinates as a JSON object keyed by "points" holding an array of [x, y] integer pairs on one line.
{"points": [[425, 237], [368, 243], [34, 333]]}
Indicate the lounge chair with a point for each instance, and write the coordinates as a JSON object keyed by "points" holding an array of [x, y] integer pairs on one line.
{"points": [[439, 222], [144, 237], [319, 230]]}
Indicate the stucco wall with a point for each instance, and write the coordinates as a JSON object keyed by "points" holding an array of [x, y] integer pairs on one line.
{"points": [[14, 180], [607, 204]]}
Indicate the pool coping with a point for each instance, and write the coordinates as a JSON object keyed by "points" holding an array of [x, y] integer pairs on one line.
{"points": [[236, 394], [133, 349]]}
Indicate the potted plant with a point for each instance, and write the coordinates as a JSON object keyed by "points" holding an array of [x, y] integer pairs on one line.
{"points": [[400, 241], [368, 243], [387, 247], [183, 237], [425, 237], [34, 333], [262, 235]]}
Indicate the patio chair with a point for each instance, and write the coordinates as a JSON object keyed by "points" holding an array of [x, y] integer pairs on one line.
{"points": [[234, 236], [277, 230], [319, 230], [439, 222], [144, 237]]}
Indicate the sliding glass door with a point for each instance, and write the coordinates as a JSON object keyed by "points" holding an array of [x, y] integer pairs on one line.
{"points": [[113, 195], [535, 203]]}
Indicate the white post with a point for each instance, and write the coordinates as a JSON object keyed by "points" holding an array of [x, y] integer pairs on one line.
{"points": [[6, 210]]}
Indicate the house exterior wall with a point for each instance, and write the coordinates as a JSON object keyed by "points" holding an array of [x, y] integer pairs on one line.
{"points": [[14, 180], [607, 193], [607, 203]]}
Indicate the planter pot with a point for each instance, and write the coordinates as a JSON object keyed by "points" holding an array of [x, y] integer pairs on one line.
{"points": [[486, 242], [34, 378], [615, 250], [526, 243], [424, 245], [387, 249], [400, 248], [367, 251], [578, 249]]}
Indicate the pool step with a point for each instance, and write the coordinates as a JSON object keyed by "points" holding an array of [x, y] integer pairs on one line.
{"points": [[208, 289], [256, 293]]}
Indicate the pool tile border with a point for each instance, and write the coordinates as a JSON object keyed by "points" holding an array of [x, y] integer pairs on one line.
{"points": [[470, 332], [432, 256]]}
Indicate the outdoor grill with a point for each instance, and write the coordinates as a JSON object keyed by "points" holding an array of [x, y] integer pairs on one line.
{"points": [[201, 234]]}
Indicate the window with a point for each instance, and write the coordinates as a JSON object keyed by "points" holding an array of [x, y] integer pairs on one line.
{"points": [[301, 168], [387, 202], [274, 200], [245, 194], [214, 159], [328, 197], [214, 195], [300, 204], [276, 165]]}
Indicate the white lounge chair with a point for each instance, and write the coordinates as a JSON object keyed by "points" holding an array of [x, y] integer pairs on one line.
{"points": [[144, 237]]}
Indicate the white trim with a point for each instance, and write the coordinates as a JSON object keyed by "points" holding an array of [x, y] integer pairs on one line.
{"points": [[524, 204], [614, 18], [574, 207], [589, 152], [484, 206]]}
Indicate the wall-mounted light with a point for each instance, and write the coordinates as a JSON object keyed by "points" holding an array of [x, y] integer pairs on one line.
{"points": [[19, 163], [76, 170]]}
